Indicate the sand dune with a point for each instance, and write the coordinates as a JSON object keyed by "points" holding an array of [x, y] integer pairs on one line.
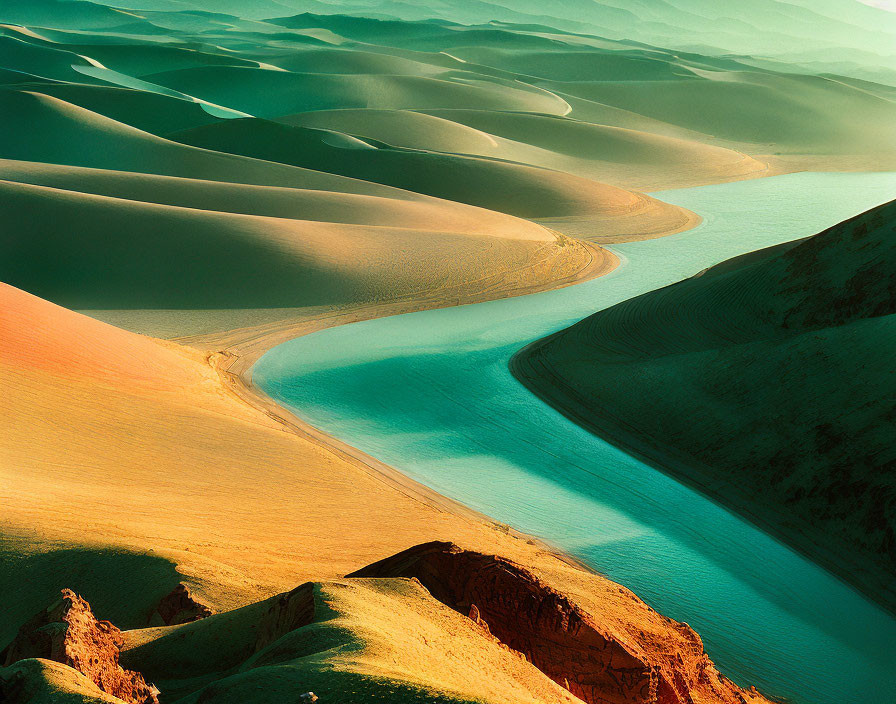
{"points": [[266, 93], [401, 128], [63, 13], [334, 241], [43, 61], [622, 157], [147, 111], [794, 113], [628, 157], [118, 253], [141, 59], [509, 187], [577, 65], [296, 204], [41, 128], [804, 455], [125, 433], [353, 61]]}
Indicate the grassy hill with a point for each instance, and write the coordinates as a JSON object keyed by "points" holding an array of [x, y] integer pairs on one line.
{"points": [[764, 382]]}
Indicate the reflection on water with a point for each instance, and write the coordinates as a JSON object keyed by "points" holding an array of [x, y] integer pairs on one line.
{"points": [[430, 394]]}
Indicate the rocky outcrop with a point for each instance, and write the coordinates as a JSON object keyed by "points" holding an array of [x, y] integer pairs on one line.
{"points": [[286, 613], [178, 607], [69, 633], [558, 636]]}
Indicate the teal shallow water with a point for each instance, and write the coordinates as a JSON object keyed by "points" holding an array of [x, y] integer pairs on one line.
{"points": [[430, 394]]}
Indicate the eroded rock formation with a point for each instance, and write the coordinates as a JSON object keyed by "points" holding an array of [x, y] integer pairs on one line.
{"points": [[286, 613], [556, 635], [178, 607], [69, 633]]}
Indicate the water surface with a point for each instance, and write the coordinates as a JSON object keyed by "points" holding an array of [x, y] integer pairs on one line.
{"points": [[430, 394]]}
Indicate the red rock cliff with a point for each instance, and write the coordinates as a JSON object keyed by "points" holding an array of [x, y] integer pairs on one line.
{"points": [[559, 637], [69, 633]]}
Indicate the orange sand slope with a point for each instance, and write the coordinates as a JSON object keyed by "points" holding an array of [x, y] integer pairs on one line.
{"points": [[127, 467]]}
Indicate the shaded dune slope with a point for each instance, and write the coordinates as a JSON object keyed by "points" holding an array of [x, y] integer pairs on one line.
{"points": [[265, 93], [120, 253], [509, 187], [630, 158], [43, 128], [178, 230], [147, 111], [273, 201], [776, 398], [617, 154]]}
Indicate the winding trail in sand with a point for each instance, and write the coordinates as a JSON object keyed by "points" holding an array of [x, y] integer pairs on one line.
{"points": [[430, 394]]}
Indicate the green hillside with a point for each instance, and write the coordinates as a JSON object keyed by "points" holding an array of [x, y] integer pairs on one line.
{"points": [[764, 381]]}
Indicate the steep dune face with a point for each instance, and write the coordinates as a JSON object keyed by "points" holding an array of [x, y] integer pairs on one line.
{"points": [[772, 378]]}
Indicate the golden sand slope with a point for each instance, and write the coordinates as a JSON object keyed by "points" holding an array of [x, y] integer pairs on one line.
{"points": [[352, 640], [118, 253], [497, 184], [129, 455], [113, 438]]}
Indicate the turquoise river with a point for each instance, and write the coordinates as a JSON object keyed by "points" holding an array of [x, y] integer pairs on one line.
{"points": [[430, 394]]}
